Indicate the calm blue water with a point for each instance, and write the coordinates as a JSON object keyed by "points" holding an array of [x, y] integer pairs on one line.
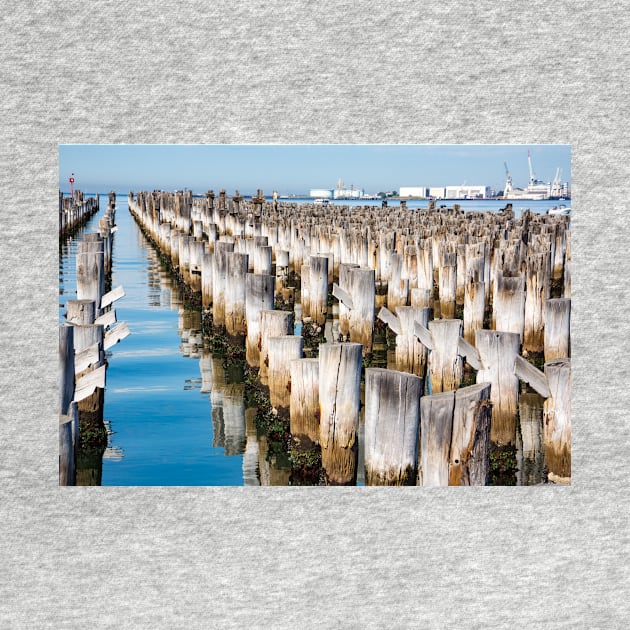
{"points": [[162, 422]]}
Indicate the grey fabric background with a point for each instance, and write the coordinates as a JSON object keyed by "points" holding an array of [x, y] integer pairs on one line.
{"points": [[326, 72]]}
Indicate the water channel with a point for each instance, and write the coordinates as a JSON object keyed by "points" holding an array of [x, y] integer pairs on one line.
{"points": [[176, 415]]}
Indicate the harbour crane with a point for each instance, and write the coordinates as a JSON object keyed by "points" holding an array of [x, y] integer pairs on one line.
{"points": [[340, 187], [555, 187], [508, 181], [532, 176]]}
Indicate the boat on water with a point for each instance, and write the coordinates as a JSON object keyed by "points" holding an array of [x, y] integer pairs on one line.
{"points": [[559, 210], [321, 202]]}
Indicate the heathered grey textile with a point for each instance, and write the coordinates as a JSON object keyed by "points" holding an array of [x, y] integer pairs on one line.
{"points": [[325, 72]]}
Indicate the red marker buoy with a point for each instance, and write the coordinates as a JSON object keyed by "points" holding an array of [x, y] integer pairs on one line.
{"points": [[71, 180]]}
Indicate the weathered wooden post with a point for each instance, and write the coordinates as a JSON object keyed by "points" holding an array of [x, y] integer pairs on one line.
{"points": [[90, 271], [498, 351], [362, 289], [259, 294], [469, 460], [88, 346], [184, 258], [447, 285], [558, 259], [305, 292], [304, 402], [174, 252], [425, 269], [339, 401], [436, 431], [281, 351], [196, 260], [411, 354], [282, 269], [272, 324], [445, 365], [509, 305], [207, 272], [420, 298], [557, 329], [221, 251], [66, 368], [557, 418], [474, 309], [392, 423], [318, 289], [461, 271], [236, 271], [410, 266], [80, 311], [536, 292], [567, 279], [68, 445], [397, 287], [263, 258], [344, 309]]}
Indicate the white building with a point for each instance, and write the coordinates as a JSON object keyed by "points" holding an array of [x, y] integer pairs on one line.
{"points": [[412, 191], [467, 192], [436, 192], [348, 193], [323, 193]]}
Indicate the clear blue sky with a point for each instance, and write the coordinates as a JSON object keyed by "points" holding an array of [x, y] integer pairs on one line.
{"points": [[294, 169]]}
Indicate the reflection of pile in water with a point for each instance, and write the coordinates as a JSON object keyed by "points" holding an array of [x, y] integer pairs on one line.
{"points": [[529, 440], [228, 407], [189, 329], [113, 453]]}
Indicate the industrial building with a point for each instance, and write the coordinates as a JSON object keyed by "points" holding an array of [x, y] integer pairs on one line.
{"points": [[322, 193], [436, 192], [348, 193], [412, 191], [343, 192], [467, 192]]}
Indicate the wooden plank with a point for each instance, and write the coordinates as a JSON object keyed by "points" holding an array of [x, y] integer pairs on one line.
{"points": [[532, 375], [113, 336], [342, 296], [471, 353], [385, 315], [112, 296], [88, 383], [106, 319], [424, 334], [88, 356]]}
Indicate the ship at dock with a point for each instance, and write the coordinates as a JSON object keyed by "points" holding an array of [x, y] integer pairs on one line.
{"points": [[536, 190]]}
